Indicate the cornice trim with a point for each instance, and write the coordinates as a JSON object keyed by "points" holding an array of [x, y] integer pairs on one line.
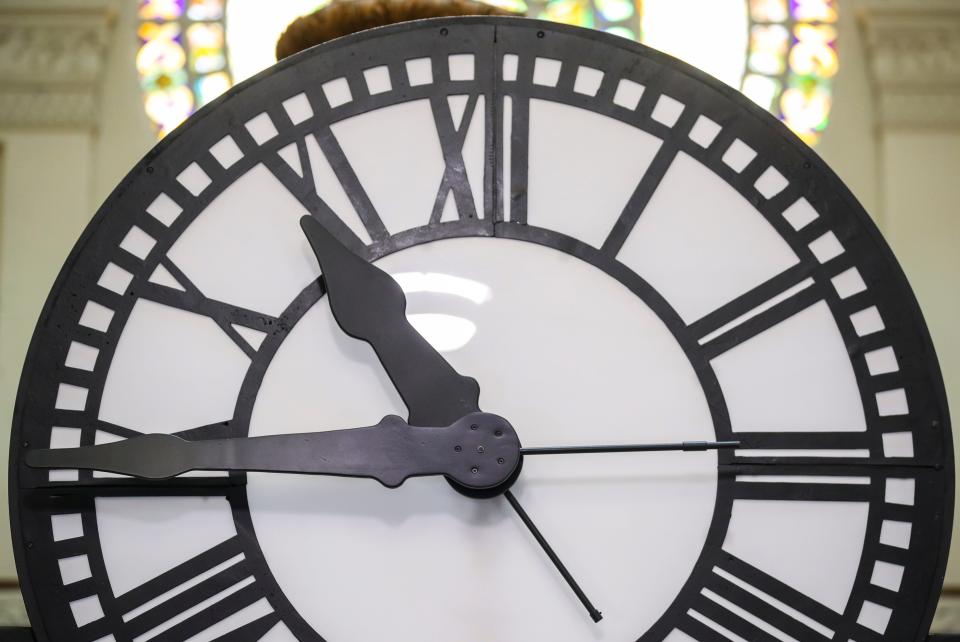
{"points": [[51, 65], [913, 50]]}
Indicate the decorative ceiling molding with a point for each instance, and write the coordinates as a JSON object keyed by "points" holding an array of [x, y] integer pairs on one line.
{"points": [[913, 49], [51, 65]]}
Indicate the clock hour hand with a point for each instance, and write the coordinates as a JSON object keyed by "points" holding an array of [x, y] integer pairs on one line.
{"points": [[369, 305], [479, 451]]}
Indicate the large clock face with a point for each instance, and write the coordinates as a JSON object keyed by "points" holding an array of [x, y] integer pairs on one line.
{"points": [[619, 249]]}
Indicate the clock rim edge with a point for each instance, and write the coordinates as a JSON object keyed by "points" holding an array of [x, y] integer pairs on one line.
{"points": [[787, 137]]}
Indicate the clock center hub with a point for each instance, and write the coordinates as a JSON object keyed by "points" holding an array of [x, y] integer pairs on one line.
{"points": [[485, 456]]}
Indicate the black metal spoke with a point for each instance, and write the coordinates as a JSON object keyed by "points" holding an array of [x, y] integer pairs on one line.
{"points": [[595, 615], [630, 448]]}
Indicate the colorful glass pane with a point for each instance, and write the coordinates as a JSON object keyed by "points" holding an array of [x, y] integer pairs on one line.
{"points": [[768, 49], [516, 6], [205, 9], [793, 55], [211, 86], [762, 90], [206, 48], [814, 10], [162, 53], [623, 32], [571, 12], [205, 35], [168, 108], [813, 52], [160, 9], [160, 80], [182, 59], [158, 31], [615, 10], [769, 10], [806, 105]]}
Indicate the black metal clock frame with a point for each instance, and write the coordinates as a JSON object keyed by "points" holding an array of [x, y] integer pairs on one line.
{"points": [[488, 39]]}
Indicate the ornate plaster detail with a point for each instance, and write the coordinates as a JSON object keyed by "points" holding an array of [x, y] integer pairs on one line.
{"points": [[51, 64], [914, 58]]}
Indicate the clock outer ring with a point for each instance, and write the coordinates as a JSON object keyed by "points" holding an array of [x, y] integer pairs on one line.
{"points": [[779, 137]]}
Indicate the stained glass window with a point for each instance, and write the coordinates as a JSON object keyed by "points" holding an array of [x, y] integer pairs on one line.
{"points": [[780, 53], [791, 56], [792, 61], [182, 60]]}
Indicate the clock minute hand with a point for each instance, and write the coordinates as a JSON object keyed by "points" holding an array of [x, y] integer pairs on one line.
{"points": [[369, 305], [630, 448], [479, 451]]}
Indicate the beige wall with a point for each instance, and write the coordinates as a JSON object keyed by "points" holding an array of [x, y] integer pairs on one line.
{"points": [[906, 177], [921, 192], [53, 179], [45, 204], [901, 159], [124, 132], [849, 143]]}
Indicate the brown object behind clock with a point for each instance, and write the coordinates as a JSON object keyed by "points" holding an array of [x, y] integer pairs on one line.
{"points": [[343, 17]]}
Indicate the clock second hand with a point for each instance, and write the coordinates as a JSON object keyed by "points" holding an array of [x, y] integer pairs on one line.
{"points": [[595, 615], [629, 448]]}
